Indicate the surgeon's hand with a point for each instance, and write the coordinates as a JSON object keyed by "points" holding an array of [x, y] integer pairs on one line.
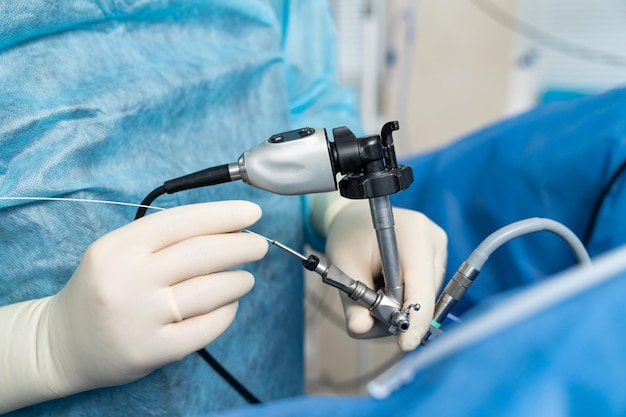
{"points": [[143, 296], [422, 245]]}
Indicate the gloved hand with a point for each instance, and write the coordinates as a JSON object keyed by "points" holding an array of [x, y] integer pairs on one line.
{"points": [[143, 296], [352, 246]]}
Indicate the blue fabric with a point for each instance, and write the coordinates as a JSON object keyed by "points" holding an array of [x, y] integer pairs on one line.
{"points": [[109, 99], [563, 360], [551, 162], [553, 95]]}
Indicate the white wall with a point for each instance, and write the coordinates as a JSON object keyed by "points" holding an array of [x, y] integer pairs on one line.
{"points": [[463, 65]]}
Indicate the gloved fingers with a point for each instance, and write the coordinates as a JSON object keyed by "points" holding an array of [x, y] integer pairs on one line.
{"points": [[358, 318], [190, 335], [162, 229], [204, 294], [365, 269], [352, 246], [422, 248], [204, 255], [423, 274]]}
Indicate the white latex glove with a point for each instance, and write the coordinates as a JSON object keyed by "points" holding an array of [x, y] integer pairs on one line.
{"points": [[352, 246], [143, 296]]}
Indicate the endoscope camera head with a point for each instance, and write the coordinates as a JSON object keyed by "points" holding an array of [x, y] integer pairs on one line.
{"points": [[305, 161]]}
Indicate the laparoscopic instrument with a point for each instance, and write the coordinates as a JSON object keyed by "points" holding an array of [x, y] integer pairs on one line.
{"points": [[305, 161], [381, 306]]}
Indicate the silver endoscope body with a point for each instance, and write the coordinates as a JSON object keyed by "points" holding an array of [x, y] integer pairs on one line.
{"points": [[291, 163]]}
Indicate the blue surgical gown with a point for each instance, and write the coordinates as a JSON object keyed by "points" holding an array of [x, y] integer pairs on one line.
{"points": [[107, 100]]}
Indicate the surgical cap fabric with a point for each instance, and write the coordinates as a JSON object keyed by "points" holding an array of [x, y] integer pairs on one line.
{"points": [[107, 100]]}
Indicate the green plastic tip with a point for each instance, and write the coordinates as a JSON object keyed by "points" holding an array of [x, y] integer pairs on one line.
{"points": [[435, 324]]}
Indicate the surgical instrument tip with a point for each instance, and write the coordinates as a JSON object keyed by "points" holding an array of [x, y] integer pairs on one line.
{"points": [[277, 243]]}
